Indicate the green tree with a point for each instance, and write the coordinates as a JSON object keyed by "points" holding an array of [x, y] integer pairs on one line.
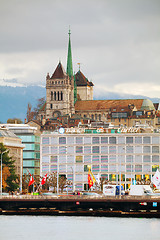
{"points": [[12, 178]]}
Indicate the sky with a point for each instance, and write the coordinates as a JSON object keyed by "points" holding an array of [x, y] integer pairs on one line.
{"points": [[116, 42]]}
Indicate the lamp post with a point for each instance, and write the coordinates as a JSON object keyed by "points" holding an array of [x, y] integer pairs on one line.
{"points": [[1, 169]]}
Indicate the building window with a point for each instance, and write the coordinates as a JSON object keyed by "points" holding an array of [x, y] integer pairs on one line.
{"points": [[121, 140], [129, 158], [62, 159], [155, 140], [138, 140], [146, 158], [104, 149], [95, 168], [54, 96], [61, 96], [92, 117], [79, 159], [146, 149], [155, 149], [112, 140], [62, 150], [95, 149], [112, 149], [95, 140], [79, 149], [99, 117], [53, 159], [104, 140], [104, 159], [129, 149], [112, 159], [45, 140], [54, 150], [104, 168], [146, 168], [51, 105], [51, 96], [87, 140], [146, 140], [112, 168], [95, 159], [155, 158], [87, 159], [138, 149], [87, 149], [129, 140], [62, 140], [138, 168], [79, 140], [85, 168]]}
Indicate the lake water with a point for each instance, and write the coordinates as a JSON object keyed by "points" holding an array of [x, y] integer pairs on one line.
{"points": [[78, 228]]}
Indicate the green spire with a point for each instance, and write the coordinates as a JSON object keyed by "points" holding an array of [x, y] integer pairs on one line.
{"points": [[69, 58]]}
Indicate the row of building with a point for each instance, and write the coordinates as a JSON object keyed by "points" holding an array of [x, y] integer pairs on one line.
{"points": [[117, 139], [130, 153]]}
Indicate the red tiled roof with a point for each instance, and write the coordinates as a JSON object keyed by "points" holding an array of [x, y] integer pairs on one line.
{"points": [[59, 73], [81, 80], [108, 105]]}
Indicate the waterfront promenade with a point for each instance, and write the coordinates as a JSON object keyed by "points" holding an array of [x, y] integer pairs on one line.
{"points": [[79, 205]]}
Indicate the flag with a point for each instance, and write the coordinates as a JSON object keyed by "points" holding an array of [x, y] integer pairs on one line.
{"points": [[93, 178], [90, 182], [156, 179], [31, 180], [44, 179]]}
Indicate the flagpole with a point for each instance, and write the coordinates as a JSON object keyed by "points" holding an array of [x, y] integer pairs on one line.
{"points": [[57, 179]]}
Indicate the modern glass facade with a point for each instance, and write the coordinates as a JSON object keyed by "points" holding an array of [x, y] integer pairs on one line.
{"points": [[134, 155], [31, 154]]}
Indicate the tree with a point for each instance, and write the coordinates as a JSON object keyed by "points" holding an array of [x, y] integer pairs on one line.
{"points": [[62, 182], [9, 178], [32, 114]]}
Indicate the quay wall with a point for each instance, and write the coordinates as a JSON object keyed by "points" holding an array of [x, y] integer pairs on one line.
{"points": [[79, 205]]}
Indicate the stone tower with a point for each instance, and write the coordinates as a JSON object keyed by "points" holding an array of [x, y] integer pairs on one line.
{"points": [[60, 89]]}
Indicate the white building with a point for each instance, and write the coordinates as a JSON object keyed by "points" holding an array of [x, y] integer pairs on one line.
{"points": [[133, 155]]}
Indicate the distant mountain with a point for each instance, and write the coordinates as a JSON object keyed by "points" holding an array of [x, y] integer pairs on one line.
{"points": [[14, 100]]}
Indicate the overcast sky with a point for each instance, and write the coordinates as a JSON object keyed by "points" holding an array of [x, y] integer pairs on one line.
{"points": [[117, 42]]}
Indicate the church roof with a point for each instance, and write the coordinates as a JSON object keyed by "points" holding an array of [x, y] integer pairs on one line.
{"points": [[59, 73], [81, 80], [120, 105]]}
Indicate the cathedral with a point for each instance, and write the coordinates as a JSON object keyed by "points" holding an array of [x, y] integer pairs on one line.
{"points": [[63, 89], [69, 94]]}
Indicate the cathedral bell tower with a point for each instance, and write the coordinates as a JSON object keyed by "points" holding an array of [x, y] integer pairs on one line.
{"points": [[60, 90]]}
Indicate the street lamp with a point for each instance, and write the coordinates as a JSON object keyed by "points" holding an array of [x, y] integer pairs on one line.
{"points": [[1, 169]]}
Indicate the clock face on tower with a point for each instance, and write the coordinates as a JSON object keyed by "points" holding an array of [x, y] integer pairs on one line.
{"points": [[61, 130]]}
